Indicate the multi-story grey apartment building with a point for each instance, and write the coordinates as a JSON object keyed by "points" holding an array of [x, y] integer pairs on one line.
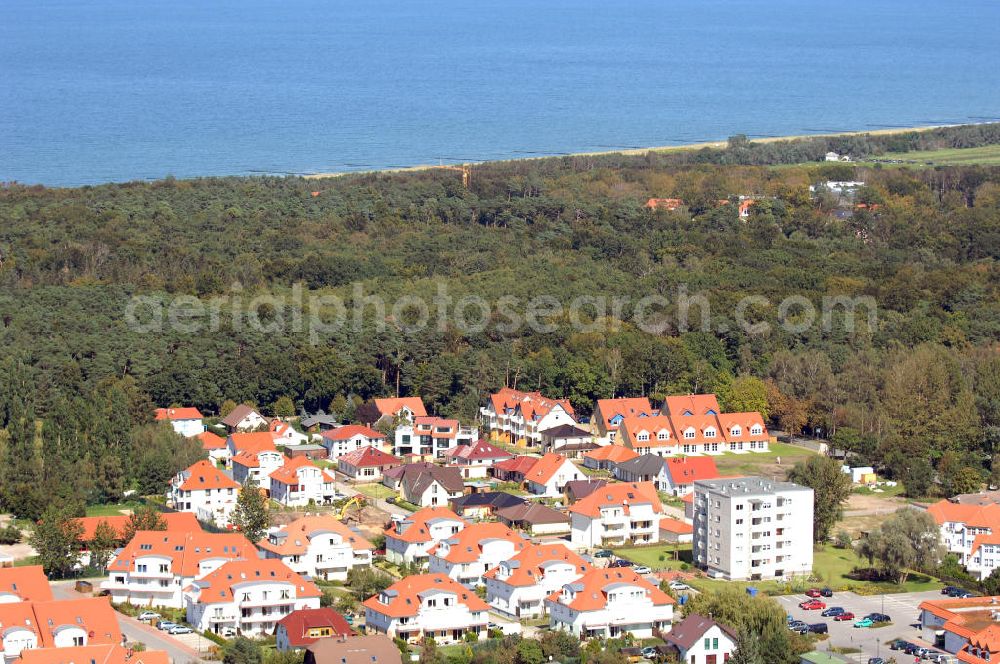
{"points": [[753, 528]]}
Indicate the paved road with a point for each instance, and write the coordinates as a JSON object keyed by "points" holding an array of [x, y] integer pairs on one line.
{"points": [[901, 607], [180, 649]]}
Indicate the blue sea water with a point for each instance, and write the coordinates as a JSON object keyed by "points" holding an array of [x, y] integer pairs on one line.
{"points": [[110, 90]]}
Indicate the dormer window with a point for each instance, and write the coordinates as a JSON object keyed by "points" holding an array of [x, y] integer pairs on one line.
{"points": [[689, 433], [642, 437], [736, 431], [710, 433], [756, 430], [663, 435]]}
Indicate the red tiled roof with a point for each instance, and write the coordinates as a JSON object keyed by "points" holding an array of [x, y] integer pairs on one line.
{"points": [[626, 407], [685, 470], [532, 560], [367, 457], [394, 405], [217, 587], [103, 653], [185, 550], [298, 623], [653, 425], [623, 494], [288, 473], [417, 529], [92, 614], [404, 595], [546, 468], [467, 545], [696, 404], [519, 464], [477, 451], [178, 414], [676, 526], [28, 583], [179, 522], [594, 586], [203, 475], [613, 453], [253, 441], [350, 431], [531, 404], [298, 533], [210, 441]]}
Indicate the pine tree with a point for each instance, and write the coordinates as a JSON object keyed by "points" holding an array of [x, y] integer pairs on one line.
{"points": [[250, 514]]}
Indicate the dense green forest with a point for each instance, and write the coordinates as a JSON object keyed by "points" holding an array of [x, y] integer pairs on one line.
{"points": [[919, 392]]}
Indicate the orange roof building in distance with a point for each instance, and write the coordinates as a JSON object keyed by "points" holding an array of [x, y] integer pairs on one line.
{"points": [[305, 627], [682, 472], [970, 627], [367, 464], [549, 475], [519, 586], [668, 204], [179, 522], [609, 413], [215, 446], [75, 622], [518, 418], [136, 573], [320, 547], [607, 457], [24, 584], [428, 437], [744, 208], [257, 466], [608, 603], [300, 482], [350, 438], [250, 596], [408, 539], [971, 532], [475, 549], [205, 491], [185, 421], [427, 605], [390, 409], [104, 653], [617, 514]]}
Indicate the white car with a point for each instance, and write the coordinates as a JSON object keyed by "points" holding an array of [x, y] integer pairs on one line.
{"points": [[642, 569], [677, 585], [180, 629], [148, 616]]}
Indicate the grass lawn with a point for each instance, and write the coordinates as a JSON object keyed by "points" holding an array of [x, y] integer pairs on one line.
{"points": [[762, 463], [379, 491], [650, 556], [987, 154], [883, 491], [116, 509]]}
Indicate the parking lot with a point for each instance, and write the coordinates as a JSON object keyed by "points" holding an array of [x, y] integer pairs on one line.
{"points": [[901, 607]]}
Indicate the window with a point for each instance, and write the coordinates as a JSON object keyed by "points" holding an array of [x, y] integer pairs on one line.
{"points": [[663, 435], [709, 433], [708, 644], [689, 433], [77, 640], [642, 437]]}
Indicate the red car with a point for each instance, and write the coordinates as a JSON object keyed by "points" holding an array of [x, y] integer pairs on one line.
{"points": [[812, 605], [844, 616], [813, 592]]}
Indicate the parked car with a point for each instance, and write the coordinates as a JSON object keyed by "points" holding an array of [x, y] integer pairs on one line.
{"points": [[228, 632], [148, 616], [922, 653], [679, 585], [949, 590], [898, 644], [812, 605], [180, 629], [834, 611], [826, 592], [876, 660], [621, 562], [879, 617], [911, 648], [642, 569], [819, 628], [799, 627], [604, 553], [391, 500], [165, 624], [844, 617], [814, 592], [649, 652], [864, 622]]}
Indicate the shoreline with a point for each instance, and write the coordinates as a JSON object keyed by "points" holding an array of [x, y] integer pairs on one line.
{"points": [[633, 151]]}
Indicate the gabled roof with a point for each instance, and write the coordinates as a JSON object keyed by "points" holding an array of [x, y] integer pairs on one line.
{"points": [[577, 489], [289, 472], [976, 516], [210, 441], [217, 587], [546, 468], [745, 421], [647, 464], [567, 431], [350, 431], [178, 414], [531, 404], [631, 427], [203, 475], [178, 522], [91, 614], [625, 407], [612, 453], [403, 597], [527, 567], [992, 538], [392, 406], [293, 538], [416, 527], [253, 441], [591, 590], [695, 404], [624, 494], [309, 421], [493, 499], [519, 464], [478, 451], [676, 526], [102, 653], [367, 457], [29, 583], [690, 631], [467, 545], [298, 623], [417, 482], [685, 470], [359, 650], [185, 550], [532, 513], [238, 414], [251, 459]]}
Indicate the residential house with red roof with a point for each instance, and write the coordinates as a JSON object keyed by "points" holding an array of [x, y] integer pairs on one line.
{"points": [[475, 460], [550, 474], [154, 568], [518, 586], [180, 522], [320, 547], [968, 628], [62, 624], [350, 438], [300, 482], [650, 434], [390, 409], [610, 603], [514, 470], [250, 442], [257, 466], [408, 539], [185, 421], [427, 605], [680, 473], [366, 464], [676, 531], [244, 418], [609, 413], [287, 435], [24, 584], [428, 437], [300, 629], [215, 447], [617, 514], [476, 549], [698, 639], [607, 457], [103, 653], [205, 491], [250, 596], [971, 532], [518, 418]]}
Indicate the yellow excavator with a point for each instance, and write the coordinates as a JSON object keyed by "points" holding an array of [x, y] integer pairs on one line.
{"points": [[357, 501]]}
